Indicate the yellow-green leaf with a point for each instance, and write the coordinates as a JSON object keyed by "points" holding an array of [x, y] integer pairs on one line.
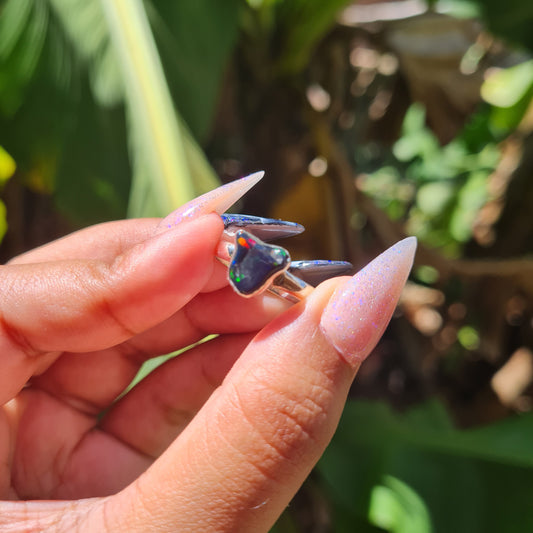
{"points": [[507, 87], [7, 166], [3, 220]]}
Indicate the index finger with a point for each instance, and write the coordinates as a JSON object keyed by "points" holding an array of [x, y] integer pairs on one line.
{"points": [[80, 306], [100, 242]]}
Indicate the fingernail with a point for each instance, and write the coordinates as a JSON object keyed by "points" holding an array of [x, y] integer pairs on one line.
{"points": [[359, 310], [215, 201]]}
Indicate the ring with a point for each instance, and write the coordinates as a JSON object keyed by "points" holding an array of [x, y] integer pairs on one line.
{"points": [[255, 266]]}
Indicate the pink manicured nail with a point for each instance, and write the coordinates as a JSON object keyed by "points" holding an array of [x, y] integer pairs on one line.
{"points": [[360, 309], [215, 201]]}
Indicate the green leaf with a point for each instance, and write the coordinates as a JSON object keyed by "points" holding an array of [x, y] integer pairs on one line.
{"points": [[508, 86], [25, 26], [195, 40], [162, 173], [7, 166], [432, 198], [396, 507], [471, 197], [468, 337], [415, 119], [72, 139], [48, 121], [466, 9], [416, 140], [3, 220], [184, 32], [475, 481]]}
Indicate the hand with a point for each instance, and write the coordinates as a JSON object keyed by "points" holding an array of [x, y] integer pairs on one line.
{"points": [[217, 439]]}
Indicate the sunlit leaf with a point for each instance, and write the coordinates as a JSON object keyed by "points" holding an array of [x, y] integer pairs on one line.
{"points": [[49, 113], [169, 168], [467, 9], [3, 220], [7, 165], [416, 139], [415, 119], [7, 168], [470, 198], [156, 142], [396, 507], [468, 337], [450, 181], [426, 274], [432, 198], [507, 87]]}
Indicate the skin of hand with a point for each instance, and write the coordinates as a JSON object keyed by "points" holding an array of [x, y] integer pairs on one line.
{"points": [[217, 439]]}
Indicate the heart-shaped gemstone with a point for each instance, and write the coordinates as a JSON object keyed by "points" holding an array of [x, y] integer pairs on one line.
{"points": [[254, 264]]}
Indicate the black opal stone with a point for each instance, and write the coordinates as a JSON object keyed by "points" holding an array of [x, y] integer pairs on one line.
{"points": [[255, 263]]}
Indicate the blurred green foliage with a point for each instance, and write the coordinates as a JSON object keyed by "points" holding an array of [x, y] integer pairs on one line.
{"points": [[510, 92], [415, 473], [62, 96], [438, 189], [7, 168], [71, 121]]}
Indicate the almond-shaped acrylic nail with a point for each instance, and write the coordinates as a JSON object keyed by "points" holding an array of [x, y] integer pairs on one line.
{"points": [[215, 201], [359, 310]]}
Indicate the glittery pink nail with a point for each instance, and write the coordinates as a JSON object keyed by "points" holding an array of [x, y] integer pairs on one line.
{"points": [[215, 201], [360, 309]]}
